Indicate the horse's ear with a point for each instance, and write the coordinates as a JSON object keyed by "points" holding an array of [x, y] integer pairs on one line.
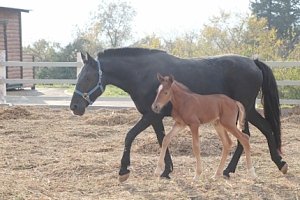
{"points": [[83, 58], [160, 78], [89, 58]]}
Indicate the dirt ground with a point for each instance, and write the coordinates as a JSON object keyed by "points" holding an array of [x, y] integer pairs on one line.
{"points": [[47, 153]]}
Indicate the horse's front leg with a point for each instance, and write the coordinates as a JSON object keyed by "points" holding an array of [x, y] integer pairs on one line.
{"points": [[160, 134], [165, 143], [144, 122]]}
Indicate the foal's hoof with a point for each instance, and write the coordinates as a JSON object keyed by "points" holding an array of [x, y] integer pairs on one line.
{"points": [[123, 177], [158, 171], [285, 168]]}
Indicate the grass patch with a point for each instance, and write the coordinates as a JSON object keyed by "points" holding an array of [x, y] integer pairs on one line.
{"points": [[68, 86], [113, 91], [110, 91]]}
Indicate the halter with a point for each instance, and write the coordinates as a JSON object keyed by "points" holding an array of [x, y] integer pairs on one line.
{"points": [[87, 95]]}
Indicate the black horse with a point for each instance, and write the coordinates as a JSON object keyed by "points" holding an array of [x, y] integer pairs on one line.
{"points": [[134, 70]]}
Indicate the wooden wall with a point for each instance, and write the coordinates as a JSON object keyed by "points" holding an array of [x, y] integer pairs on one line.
{"points": [[28, 72], [11, 18]]}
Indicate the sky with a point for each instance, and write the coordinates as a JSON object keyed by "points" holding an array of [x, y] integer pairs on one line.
{"points": [[56, 20]]}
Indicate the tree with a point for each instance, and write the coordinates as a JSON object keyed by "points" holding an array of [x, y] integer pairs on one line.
{"points": [[114, 19], [184, 46], [149, 41], [89, 40], [227, 33], [44, 51], [259, 40], [236, 34], [284, 16]]}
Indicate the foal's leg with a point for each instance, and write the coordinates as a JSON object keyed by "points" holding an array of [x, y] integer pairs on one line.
{"points": [[166, 141], [227, 143], [244, 140], [160, 133], [237, 154], [196, 150]]}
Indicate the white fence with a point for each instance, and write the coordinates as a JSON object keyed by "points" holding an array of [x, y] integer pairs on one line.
{"points": [[78, 64], [4, 81]]}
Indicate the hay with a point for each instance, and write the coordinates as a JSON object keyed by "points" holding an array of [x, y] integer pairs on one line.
{"points": [[47, 153]]}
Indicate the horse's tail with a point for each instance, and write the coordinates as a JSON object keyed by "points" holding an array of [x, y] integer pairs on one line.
{"points": [[241, 118], [270, 101]]}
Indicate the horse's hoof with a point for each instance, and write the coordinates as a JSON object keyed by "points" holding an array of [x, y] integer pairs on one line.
{"points": [[123, 177], [285, 168], [226, 175], [165, 176]]}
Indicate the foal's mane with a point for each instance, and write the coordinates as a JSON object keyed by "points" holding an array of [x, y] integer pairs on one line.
{"points": [[129, 51], [185, 88]]}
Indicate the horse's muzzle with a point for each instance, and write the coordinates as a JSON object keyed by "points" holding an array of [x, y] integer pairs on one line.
{"points": [[77, 110]]}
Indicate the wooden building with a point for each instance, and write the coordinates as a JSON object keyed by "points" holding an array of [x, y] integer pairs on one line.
{"points": [[11, 42]]}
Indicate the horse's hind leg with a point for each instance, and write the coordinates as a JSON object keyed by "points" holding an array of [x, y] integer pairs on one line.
{"points": [[196, 150], [237, 154], [227, 143], [165, 143], [262, 124]]}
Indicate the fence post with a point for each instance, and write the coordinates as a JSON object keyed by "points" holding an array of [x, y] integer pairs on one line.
{"points": [[79, 63], [2, 78]]}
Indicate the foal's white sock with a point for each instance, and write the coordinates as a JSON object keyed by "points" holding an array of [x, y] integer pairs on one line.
{"points": [[252, 173]]}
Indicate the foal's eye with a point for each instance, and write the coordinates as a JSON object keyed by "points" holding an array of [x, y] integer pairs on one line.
{"points": [[166, 93]]}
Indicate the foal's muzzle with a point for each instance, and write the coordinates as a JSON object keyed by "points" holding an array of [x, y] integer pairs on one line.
{"points": [[156, 108]]}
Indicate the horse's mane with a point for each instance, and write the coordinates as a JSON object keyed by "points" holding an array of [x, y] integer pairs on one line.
{"points": [[128, 51]]}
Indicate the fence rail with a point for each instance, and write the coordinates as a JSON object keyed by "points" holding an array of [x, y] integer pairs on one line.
{"points": [[78, 64], [39, 81]]}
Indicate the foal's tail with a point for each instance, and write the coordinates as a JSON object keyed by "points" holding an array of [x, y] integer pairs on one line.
{"points": [[241, 119], [270, 101]]}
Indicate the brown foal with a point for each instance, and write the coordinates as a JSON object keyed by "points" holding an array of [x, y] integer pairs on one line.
{"points": [[191, 109]]}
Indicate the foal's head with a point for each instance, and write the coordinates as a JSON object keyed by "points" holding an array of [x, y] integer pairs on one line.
{"points": [[164, 93]]}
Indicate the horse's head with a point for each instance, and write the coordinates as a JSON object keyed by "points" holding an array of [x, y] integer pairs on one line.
{"points": [[89, 85], [164, 93]]}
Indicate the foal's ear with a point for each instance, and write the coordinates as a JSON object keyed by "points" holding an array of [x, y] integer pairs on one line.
{"points": [[160, 77]]}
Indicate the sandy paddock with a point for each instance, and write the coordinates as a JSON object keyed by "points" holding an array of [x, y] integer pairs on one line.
{"points": [[47, 153]]}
